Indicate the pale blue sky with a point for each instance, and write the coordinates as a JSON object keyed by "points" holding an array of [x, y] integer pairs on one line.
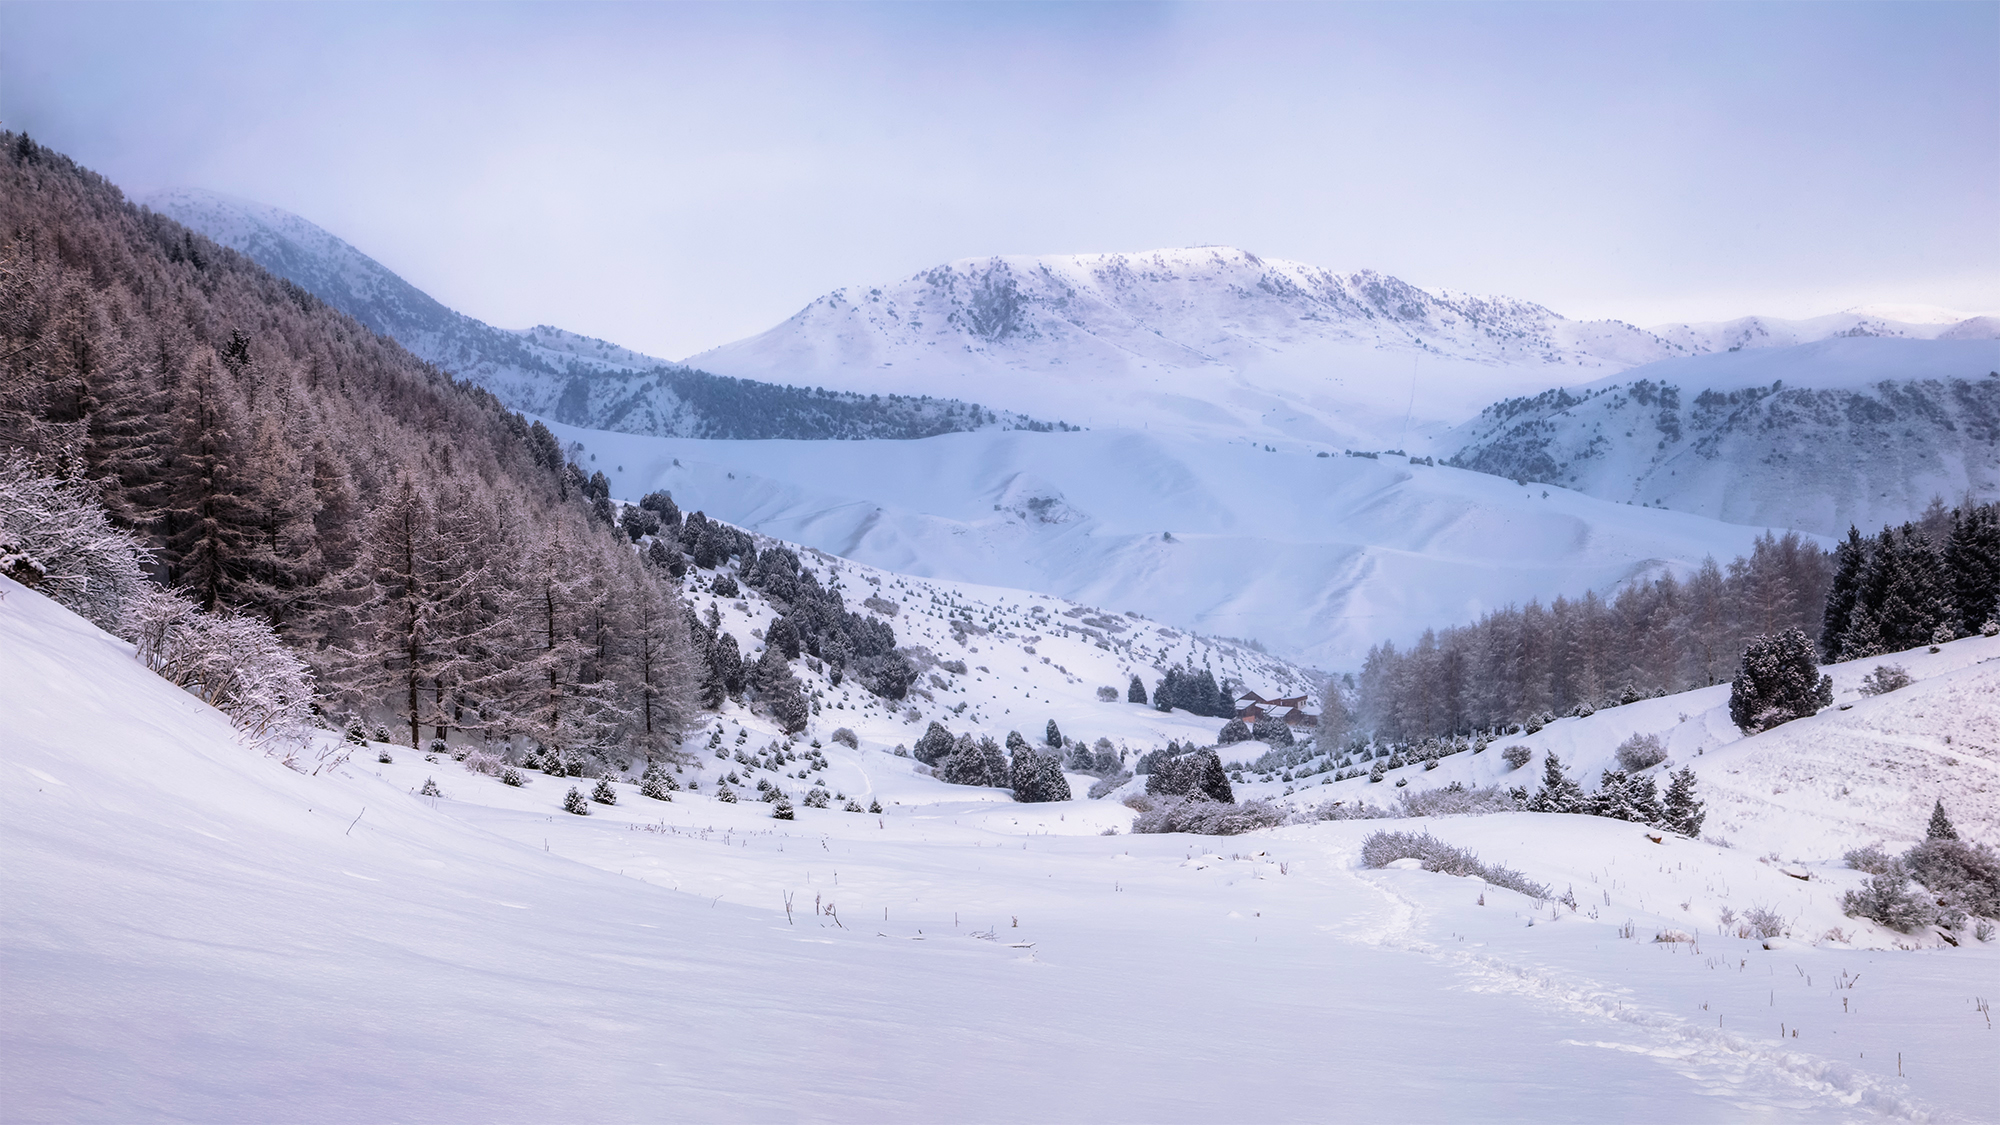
{"points": [[673, 177]]}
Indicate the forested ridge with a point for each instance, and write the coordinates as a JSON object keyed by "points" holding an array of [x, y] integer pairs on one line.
{"points": [[1934, 579], [430, 554]]}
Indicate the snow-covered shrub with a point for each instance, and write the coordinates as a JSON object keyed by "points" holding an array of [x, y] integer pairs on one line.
{"points": [[1777, 680], [847, 738], [1884, 679], [1965, 877], [782, 810], [511, 776], [55, 539], [1990, 629], [604, 794], [430, 789], [384, 757], [1456, 800], [1641, 751], [1381, 849], [1871, 859], [851, 806], [1583, 710], [232, 662], [573, 802], [725, 794], [1102, 788], [817, 798], [437, 746], [482, 759], [1107, 694], [1233, 732], [1208, 818], [875, 805], [1889, 899], [1516, 756], [1350, 810]]}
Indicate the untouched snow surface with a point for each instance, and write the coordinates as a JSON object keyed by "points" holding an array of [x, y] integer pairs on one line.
{"points": [[1317, 557], [195, 931]]}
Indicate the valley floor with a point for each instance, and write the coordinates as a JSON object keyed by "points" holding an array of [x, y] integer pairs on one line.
{"points": [[194, 931]]}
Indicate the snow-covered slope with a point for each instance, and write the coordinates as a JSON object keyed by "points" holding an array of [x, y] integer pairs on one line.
{"points": [[1907, 322], [194, 931], [1212, 339], [545, 370], [1318, 557], [1817, 436]]}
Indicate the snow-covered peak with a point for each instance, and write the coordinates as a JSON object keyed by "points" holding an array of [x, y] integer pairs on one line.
{"points": [[1908, 322]]}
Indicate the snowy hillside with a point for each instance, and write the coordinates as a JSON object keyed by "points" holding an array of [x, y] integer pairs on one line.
{"points": [[1318, 557], [1907, 322], [196, 931], [549, 371], [1815, 437]]}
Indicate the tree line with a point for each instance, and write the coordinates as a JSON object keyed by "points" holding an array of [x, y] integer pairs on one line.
{"points": [[1937, 577]]}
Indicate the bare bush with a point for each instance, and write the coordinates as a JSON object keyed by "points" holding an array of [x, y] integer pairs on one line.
{"points": [[1349, 810], [1381, 849], [1641, 751], [1764, 922], [1456, 800], [232, 662], [1884, 679], [1871, 859], [847, 738], [1207, 818], [1103, 787]]}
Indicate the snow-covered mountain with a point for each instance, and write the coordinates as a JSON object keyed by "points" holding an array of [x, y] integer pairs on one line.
{"points": [[1314, 553], [1850, 430], [549, 371], [1213, 339], [1906, 322]]}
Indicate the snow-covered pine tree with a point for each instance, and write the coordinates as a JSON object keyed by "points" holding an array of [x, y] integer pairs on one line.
{"points": [[1681, 812], [935, 745], [1972, 558], [1940, 826], [1849, 560], [604, 794], [1558, 793], [1272, 732], [573, 802], [1136, 691], [1777, 680], [1232, 732], [1053, 735]]}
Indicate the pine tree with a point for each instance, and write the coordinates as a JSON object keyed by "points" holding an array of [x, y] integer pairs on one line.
{"points": [[1558, 793], [1972, 558], [604, 794], [1940, 826], [1053, 735], [1136, 691], [574, 803], [934, 746], [1682, 813], [1849, 559]]}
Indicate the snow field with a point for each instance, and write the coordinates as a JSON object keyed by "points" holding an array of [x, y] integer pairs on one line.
{"points": [[196, 931], [1316, 557]]}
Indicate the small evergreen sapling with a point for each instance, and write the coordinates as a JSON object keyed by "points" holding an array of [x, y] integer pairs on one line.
{"points": [[511, 776], [1940, 826], [1558, 793], [604, 794], [725, 794], [1682, 812], [875, 806], [573, 802], [431, 789], [783, 810]]}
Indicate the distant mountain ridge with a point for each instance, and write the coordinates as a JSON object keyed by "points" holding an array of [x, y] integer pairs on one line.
{"points": [[548, 371], [1853, 429]]}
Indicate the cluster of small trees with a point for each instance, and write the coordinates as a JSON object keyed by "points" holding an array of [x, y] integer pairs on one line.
{"points": [[1193, 690], [1930, 581], [1619, 796], [1571, 656], [1035, 775]]}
